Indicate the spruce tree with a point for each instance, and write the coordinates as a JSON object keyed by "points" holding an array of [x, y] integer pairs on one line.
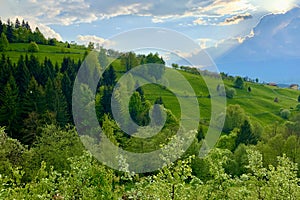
{"points": [[246, 135], [3, 42], [22, 76], [9, 104]]}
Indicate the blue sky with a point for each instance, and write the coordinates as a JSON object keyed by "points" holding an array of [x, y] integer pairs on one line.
{"points": [[208, 22], [213, 24]]}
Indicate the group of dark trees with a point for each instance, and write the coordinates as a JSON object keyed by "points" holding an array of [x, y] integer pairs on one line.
{"points": [[34, 93], [21, 32]]}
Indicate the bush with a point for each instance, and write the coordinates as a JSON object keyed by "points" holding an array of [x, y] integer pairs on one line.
{"points": [[239, 83], [230, 92], [285, 113], [33, 47], [298, 107]]}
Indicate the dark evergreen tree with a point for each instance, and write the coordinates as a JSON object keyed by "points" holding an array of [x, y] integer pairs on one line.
{"points": [[27, 26], [34, 68], [67, 89], [109, 77], [38, 37], [5, 71], [1, 27], [17, 24], [249, 89], [239, 82], [246, 135], [56, 102], [10, 32], [9, 107], [23, 24], [34, 100], [105, 101], [22, 76], [200, 133]]}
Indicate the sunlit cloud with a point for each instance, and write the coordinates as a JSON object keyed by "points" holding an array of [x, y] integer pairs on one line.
{"points": [[86, 39], [236, 19]]}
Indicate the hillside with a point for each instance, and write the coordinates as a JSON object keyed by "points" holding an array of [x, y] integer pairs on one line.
{"points": [[54, 53], [259, 103]]}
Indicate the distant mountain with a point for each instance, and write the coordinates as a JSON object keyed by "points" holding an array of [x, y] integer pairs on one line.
{"points": [[272, 54]]}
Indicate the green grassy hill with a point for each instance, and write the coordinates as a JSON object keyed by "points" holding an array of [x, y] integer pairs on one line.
{"points": [[55, 53], [259, 103]]}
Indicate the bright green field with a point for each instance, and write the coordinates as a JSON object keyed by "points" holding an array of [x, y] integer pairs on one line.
{"points": [[55, 53], [259, 103]]}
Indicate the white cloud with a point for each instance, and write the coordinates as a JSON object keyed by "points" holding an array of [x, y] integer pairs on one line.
{"points": [[49, 32], [45, 30], [85, 39], [236, 19]]}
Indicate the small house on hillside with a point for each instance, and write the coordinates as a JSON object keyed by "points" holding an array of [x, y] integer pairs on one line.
{"points": [[294, 86], [272, 84]]}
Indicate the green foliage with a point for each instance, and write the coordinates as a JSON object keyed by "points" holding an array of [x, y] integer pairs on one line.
{"points": [[3, 42], [55, 146], [85, 180], [239, 82], [235, 116], [246, 135], [228, 92], [33, 47], [9, 110], [285, 113]]}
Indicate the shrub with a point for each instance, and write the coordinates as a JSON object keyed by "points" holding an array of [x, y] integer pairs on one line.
{"points": [[285, 113], [230, 92], [298, 107], [33, 47], [239, 83]]}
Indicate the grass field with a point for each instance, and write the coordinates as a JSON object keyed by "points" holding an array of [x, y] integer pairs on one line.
{"points": [[55, 53], [259, 103]]}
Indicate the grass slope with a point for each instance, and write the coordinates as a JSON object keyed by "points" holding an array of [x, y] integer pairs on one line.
{"points": [[55, 53], [258, 104]]}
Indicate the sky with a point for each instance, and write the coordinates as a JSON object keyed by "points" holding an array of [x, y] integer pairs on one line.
{"points": [[210, 23]]}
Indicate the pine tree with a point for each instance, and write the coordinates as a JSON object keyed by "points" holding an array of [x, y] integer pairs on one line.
{"points": [[3, 42], [56, 101], [17, 24], [34, 100], [22, 76], [5, 71], [9, 113], [1, 27], [105, 101], [10, 31], [245, 135], [109, 77]]}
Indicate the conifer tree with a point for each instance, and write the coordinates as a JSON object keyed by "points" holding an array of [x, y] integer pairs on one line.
{"points": [[22, 76], [9, 104]]}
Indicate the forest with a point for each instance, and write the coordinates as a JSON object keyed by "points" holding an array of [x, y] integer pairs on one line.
{"points": [[42, 156]]}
